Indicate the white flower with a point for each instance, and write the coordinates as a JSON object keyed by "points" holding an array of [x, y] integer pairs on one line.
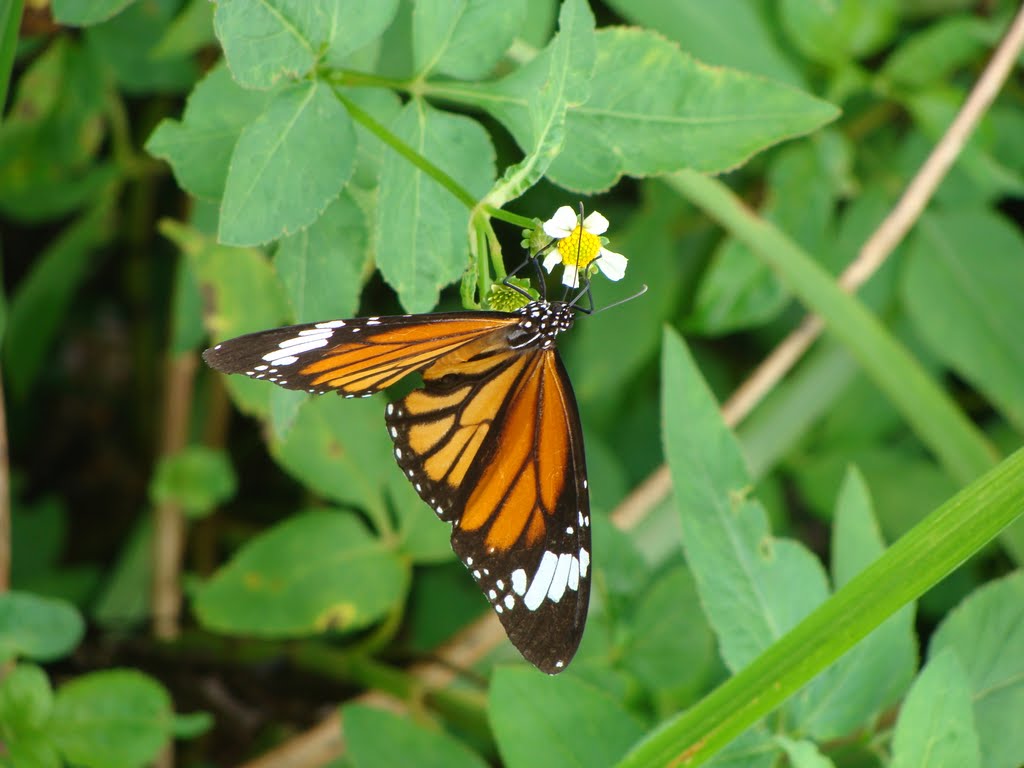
{"points": [[579, 246]]}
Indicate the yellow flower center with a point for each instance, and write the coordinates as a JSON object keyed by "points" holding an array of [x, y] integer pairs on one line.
{"points": [[579, 248]]}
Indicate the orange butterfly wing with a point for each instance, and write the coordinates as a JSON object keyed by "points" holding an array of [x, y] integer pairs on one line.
{"points": [[493, 443]]}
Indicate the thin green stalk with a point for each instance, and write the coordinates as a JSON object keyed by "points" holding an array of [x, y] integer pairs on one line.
{"points": [[931, 550], [959, 444], [367, 121]]}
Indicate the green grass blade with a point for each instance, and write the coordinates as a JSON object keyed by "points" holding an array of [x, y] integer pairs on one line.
{"points": [[933, 548]]}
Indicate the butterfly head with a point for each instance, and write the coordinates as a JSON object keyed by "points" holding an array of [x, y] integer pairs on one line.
{"points": [[542, 322]]}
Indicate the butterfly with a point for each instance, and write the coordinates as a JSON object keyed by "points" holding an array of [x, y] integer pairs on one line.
{"points": [[491, 441]]}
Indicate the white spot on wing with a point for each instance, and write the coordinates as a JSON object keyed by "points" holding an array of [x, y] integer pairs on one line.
{"points": [[574, 575], [295, 349], [510, 602], [561, 577], [331, 324], [519, 581], [541, 581], [584, 562]]}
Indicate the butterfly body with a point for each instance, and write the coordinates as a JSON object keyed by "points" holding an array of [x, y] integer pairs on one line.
{"points": [[492, 442]]}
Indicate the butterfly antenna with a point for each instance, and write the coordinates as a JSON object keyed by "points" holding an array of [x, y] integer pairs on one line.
{"points": [[637, 295]]}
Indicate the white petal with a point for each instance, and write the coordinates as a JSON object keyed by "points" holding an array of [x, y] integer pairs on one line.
{"points": [[552, 260], [595, 223], [612, 264], [561, 224], [571, 277]]}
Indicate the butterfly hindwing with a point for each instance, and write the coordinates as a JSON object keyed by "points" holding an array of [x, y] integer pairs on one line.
{"points": [[354, 358], [492, 442]]}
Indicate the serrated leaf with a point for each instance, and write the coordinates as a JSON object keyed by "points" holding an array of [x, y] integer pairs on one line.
{"points": [[422, 228], [987, 633], [753, 587], [962, 284], [36, 627], [727, 33], [935, 728], [379, 739], [287, 166], [272, 39], [199, 146], [84, 13], [197, 479], [532, 101], [464, 39], [117, 718], [564, 716], [707, 119], [837, 702], [837, 32], [316, 572], [322, 266]]}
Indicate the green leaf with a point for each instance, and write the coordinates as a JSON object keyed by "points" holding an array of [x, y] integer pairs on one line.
{"points": [[935, 728], [422, 228], [26, 701], [322, 266], [753, 587], [739, 290], [126, 44], [424, 538], [532, 101], [838, 702], [803, 754], [49, 147], [41, 299], [85, 13], [958, 529], [267, 40], [564, 717], [934, 54], [241, 293], [316, 572], [987, 634], [383, 105], [193, 725], [727, 33], [117, 718], [197, 479], [191, 30], [199, 146], [836, 32], [464, 39], [10, 25], [287, 166], [632, 330], [379, 739], [338, 447], [127, 589], [36, 627], [671, 649], [962, 284], [709, 119]]}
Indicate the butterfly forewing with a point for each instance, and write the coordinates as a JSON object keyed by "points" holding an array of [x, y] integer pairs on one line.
{"points": [[492, 442], [354, 357]]}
